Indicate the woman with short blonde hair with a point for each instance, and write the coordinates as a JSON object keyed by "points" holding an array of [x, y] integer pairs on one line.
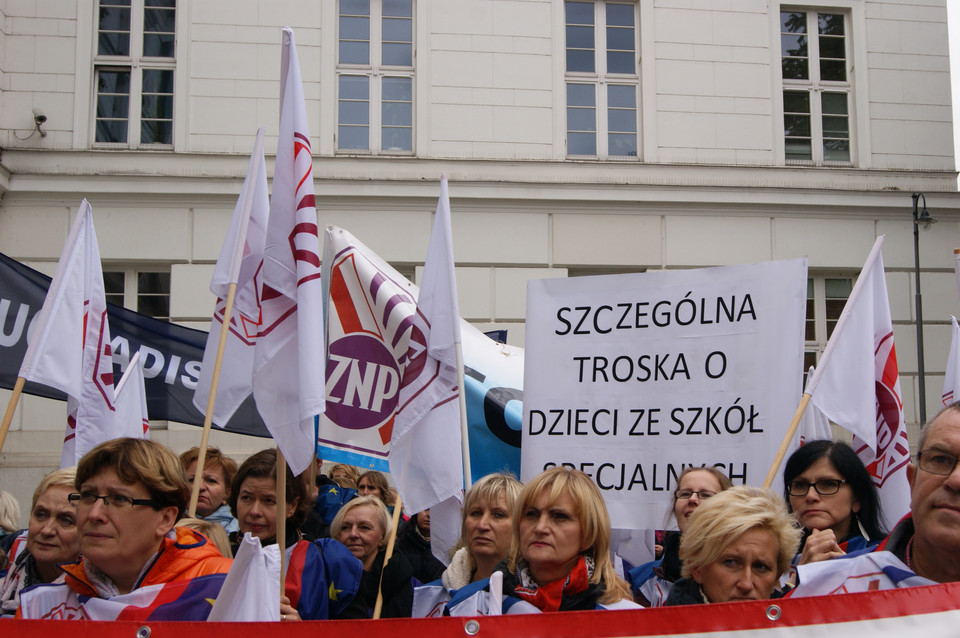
{"points": [[736, 547]]}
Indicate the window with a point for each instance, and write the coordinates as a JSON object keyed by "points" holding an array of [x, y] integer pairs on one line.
{"points": [[602, 81], [147, 292], [375, 76], [816, 87], [133, 73], [826, 297]]}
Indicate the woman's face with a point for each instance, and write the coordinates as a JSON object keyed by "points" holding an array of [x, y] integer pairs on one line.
{"points": [[488, 529], [257, 507], [52, 533], [341, 477], [367, 488], [550, 537], [120, 539], [361, 534], [213, 488], [745, 570], [697, 481], [831, 511]]}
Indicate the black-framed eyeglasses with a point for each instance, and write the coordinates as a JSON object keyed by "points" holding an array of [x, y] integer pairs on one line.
{"points": [[937, 462], [683, 495], [115, 501], [824, 487]]}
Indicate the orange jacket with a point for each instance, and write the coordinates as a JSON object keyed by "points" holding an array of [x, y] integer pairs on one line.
{"points": [[183, 558]]}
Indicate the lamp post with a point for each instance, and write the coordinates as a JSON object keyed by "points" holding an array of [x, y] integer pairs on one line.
{"points": [[921, 218]]}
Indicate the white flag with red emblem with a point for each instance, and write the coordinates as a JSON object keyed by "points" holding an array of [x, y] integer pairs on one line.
{"points": [[240, 262], [131, 401], [425, 450], [951, 378], [70, 345], [857, 386], [288, 379]]}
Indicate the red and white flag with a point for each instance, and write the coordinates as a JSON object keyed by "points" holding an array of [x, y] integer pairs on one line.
{"points": [[131, 401], [70, 345], [240, 262], [857, 386], [814, 425], [951, 378], [288, 377], [425, 450]]}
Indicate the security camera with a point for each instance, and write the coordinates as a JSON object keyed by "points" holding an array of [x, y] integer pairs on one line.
{"points": [[39, 117]]}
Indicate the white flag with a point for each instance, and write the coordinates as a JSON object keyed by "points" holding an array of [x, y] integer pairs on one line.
{"points": [[240, 260], [131, 401], [288, 379], [425, 449], [251, 591], [814, 425], [951, 378], [70, 345], [857, 386]]}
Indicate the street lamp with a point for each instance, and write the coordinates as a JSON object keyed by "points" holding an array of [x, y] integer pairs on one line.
{"points": [[921, 218]]}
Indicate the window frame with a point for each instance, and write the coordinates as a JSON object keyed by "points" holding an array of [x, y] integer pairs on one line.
{"points": [[822, 333], [815, 87], [601, 80], [376, 73], [136, 64], [131, 286]]}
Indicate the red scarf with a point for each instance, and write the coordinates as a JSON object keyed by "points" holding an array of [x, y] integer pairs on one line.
{"points": [[548, 597]]}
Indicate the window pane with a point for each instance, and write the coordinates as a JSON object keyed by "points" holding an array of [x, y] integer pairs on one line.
{"points": [[156, 132], [397, 113], [622, 145], [837, 289], [796, 101], [833, 70], [113, 44], [113, 106], [157, 106], [832, 48], [581, 144], [402, 8], [620, 38], [796, 125], [836, 126], [793, 45], [397, 30], [834, 103], [581, 119], [114, 28], [397, 139], [579, 12], [622, 96], [620, 15], [352, 138], [158, 45], [397, 54], [113, 283], [580, 95], [830, 24], [622, 121], [580, 37], [836, 150], [159, 20], [355, 52], [810, 326], [397, 89], [353, 112], [354, 28], [795, 69], [157, 81], [793, 22], [621, 62], [354, 36], [581, 61], [798, 149], [112, 131], [354, 87], [355, 7]]}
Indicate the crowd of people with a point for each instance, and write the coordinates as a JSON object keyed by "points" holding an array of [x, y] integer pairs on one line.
{"points": [[117, 523]]}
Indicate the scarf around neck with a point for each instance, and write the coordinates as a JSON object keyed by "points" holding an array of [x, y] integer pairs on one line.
{"points": [[549, 596]]}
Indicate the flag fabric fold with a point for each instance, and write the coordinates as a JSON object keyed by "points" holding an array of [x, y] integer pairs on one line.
{"points": [[951, 378], [857, 386], [288, 377], [425, 448], [131, 401], [251, 591], [814, 425], [71, 347], [240, 261]]}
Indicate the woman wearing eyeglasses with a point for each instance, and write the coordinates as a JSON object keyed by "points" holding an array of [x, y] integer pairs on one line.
{"points": [[651, 582], [50, 539], [130, 493], [831, 494]]}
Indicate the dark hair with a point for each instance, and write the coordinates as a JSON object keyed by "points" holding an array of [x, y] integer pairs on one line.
{"points": [[263, 464], [139, 461], [379, 481], [851, 468]]}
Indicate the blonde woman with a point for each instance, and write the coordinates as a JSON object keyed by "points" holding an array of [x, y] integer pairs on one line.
{"points": [[560, 559]]}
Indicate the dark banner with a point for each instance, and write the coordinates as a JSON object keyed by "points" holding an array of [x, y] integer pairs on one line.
{"points": [[171, 354]]}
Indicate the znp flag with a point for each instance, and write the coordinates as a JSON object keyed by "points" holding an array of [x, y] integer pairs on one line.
{"points": [[70, 349], [857, 386], [288, 377]]}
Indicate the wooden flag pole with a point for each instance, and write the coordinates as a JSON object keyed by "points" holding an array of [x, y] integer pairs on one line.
{"points": [[386, 557], [464, 429], [282, 516], [211, 401], [791, 431], [11, 407]]}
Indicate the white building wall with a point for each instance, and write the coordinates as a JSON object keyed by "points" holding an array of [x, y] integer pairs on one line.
{"points": [[710, 187]]}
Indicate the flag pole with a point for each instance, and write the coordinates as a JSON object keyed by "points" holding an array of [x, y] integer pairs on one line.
{"points": [[785, 444], [11, 407], [464, 426], [386, 557], [211, 400], [282, 516]]}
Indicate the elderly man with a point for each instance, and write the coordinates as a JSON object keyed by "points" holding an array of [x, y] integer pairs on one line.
{"points": [[924, 547]]}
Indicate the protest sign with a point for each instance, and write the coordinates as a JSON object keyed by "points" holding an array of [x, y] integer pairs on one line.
{"points": [[632, 378]]}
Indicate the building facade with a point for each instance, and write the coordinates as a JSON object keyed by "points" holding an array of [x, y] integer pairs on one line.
{"points": [[579, 137]]}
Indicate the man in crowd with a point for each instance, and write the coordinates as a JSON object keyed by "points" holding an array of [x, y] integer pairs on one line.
{"points": [[924, 547]]}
